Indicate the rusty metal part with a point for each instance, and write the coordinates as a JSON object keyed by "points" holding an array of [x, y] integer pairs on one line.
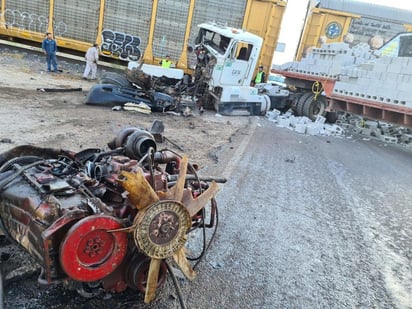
{"points": [[89, 252], [136, 273], [104, 220], [29, 150], [161, 229], [139, 143], [59, 89]]}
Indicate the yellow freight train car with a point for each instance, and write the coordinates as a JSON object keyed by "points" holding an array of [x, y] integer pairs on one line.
{"points": [[130, 30], [352, 21]]}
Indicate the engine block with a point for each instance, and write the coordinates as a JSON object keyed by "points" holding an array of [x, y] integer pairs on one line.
{"points": [[104, 217]]}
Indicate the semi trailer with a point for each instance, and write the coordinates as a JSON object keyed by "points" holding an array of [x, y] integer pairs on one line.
{"points": [[372, 83]]}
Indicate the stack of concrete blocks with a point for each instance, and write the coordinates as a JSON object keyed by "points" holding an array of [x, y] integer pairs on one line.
{"points": [[385, 80], [359, 73], [327, 61]]}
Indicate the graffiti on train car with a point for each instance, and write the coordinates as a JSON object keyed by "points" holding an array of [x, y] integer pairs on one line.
{"points": [[120, 45], [27, 21]]}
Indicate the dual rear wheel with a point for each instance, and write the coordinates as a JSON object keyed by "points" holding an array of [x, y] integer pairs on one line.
{"points": [[311, 105]]}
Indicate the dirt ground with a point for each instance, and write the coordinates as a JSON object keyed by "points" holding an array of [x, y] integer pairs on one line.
{"points": [[29, 115], [62, 120], [305, 221]]}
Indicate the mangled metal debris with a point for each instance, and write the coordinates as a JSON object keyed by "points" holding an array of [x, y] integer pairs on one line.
{"points": [[108, 218], [59, 89]]}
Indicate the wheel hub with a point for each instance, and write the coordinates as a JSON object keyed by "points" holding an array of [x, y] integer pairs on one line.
{"points": [[161, 229]]}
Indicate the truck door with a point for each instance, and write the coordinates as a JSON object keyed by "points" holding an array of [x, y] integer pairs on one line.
{"points": [[237, 64]]}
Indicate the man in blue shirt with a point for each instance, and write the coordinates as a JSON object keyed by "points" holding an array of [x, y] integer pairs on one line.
{"points": [[49, 47]]}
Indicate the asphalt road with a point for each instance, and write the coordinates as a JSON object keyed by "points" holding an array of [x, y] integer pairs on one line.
{"points": [[310, 222]]}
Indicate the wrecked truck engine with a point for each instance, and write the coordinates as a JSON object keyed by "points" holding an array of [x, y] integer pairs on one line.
{"points": [[159, 89], [105, 218]]}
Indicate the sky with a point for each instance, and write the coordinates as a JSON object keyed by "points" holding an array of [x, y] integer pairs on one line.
{"points": [[293, 20]]}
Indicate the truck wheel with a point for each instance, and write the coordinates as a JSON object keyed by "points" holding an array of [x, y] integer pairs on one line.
{"points": [[301, 102], [115, 79], [313, 108], [265, 105]]}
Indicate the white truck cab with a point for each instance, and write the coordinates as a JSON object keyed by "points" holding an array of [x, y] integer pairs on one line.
{"points": [[233, 55]]}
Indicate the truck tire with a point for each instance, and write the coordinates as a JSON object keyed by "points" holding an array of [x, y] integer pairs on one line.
{"points": [[313, 108], [301, 102], [115, 79], [265, 105]]}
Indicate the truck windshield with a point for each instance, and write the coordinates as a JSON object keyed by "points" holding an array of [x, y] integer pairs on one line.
{"points": [[214, 40], [399, 46]]}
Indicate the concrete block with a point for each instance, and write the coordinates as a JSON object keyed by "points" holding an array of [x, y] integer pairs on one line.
{"points": [[403, 97], [304, 120], [345, 126], [379, 67], [364, 82], [376, 132], [344, 77], [334, 129], [404, 87], [366, 131], [406, 69], [387, 128], [313, 128], [320, 120], [388, 139], [405, 78], [283, 122], [300, 128], [371, 124], [366, 66], [405, 138], [385, 60], [356, 129], [394, 68], [273, 115], [375, 75], [293, 120]]}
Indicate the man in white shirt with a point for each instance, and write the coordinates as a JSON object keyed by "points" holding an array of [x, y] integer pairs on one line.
{"points": [[92, 56]]}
